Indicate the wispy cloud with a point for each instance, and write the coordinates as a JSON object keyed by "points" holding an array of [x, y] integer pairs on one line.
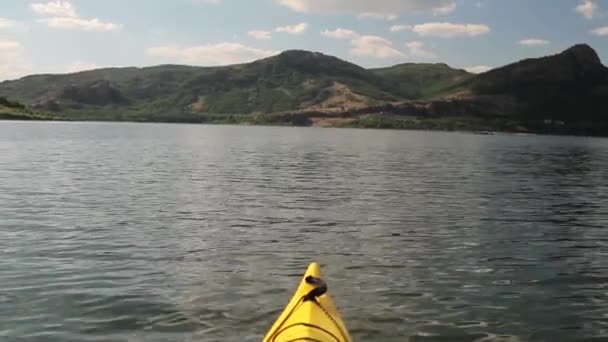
{"points": [[380, 16], [600, 31], [443, 10], [340, 33], [450, 30], [365, 45], [211, 54], [55, 9], [12, 60], [7, 23], [533, 42], [293, 29], [63, 15], [81, 24], [398, 28], [9, 46], [375, 46], [587, 8], [419, 50], [376, 8], [260, 35]]}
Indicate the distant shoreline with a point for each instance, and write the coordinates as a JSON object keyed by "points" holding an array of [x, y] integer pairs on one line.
{"points": [[559, 94], [488, 132]]}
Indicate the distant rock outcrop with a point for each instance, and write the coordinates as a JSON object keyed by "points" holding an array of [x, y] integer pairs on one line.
{"points": [[579, 64], [570, 87]]}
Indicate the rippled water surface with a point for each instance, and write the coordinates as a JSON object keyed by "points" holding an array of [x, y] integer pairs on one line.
{"points": [[145, 232]]}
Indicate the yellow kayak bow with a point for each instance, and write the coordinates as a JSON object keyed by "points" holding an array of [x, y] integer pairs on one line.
{"points": [[311, 314]]}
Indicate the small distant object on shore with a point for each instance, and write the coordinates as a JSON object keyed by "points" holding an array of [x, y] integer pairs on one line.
{"points": [[485, 132]]}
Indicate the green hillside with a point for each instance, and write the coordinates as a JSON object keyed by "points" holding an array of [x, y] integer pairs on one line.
{"points": [[13, 110], [292, 81], [563, 93], [421, 80]]}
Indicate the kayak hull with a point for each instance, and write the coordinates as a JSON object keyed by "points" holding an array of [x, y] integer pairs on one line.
{"points": [[309, 318]]}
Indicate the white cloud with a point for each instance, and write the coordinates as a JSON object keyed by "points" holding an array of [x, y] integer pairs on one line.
{"points": [[398, 28], [375, 46], [81, 66], [55, 9], [478, 69], [587, 8], [417, 49], [9, 46], [450, 30], [62, 14], [12, 60], [7, 23], [293, 29], [81, 24], [211, 54], [359, 7], [260, 35], [601, 31], [340, 33], [533, 42], [447, 9], [381, 16], [365, 45]]}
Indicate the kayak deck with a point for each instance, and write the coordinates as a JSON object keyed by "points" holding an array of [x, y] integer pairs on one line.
{"points": [[311, 314]]}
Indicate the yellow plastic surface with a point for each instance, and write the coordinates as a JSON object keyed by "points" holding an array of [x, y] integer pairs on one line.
{"points": [[309, 320]]}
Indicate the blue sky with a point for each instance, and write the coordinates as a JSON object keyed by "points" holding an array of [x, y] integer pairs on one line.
{"points": [[71, 35]]}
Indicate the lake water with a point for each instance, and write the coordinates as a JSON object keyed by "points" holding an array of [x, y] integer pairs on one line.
{"points": [[153, 232]]}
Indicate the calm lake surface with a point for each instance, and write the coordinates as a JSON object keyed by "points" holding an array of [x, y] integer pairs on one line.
{"points": [[153, 232]]}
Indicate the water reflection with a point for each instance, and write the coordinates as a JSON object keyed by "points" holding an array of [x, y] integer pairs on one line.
{"points": [[178, 232]]}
